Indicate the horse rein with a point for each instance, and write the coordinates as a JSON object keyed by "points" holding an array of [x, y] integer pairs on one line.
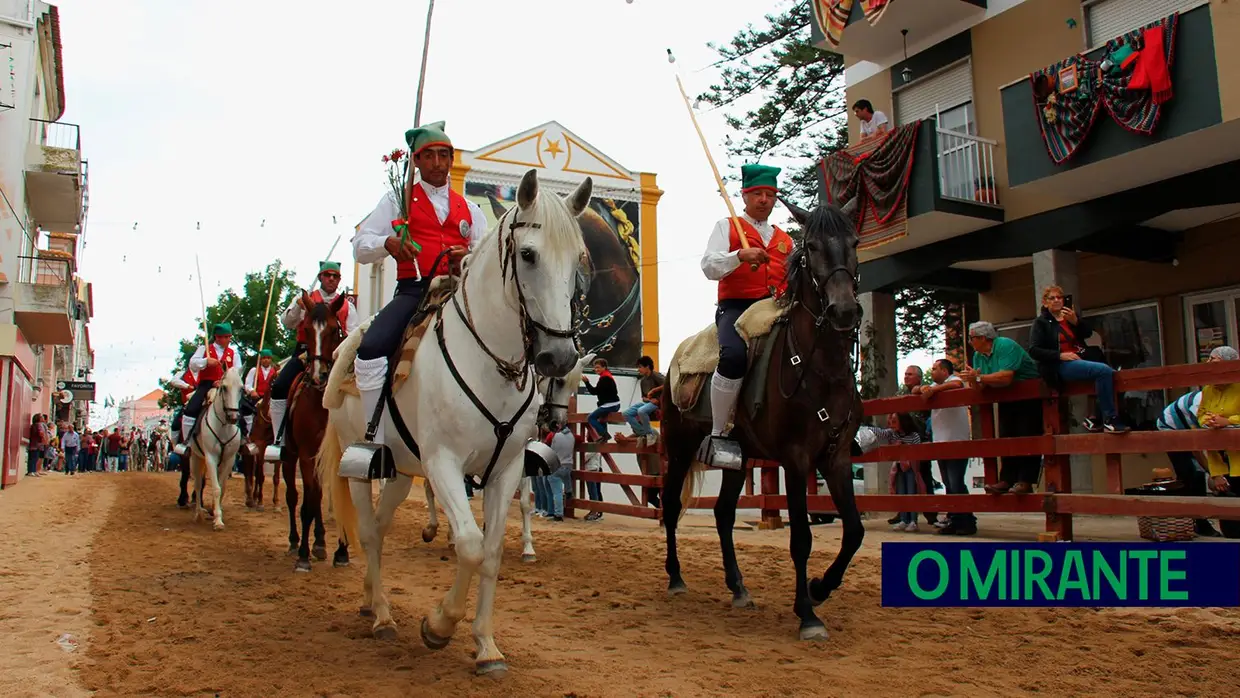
{"points": [[234, 412]]}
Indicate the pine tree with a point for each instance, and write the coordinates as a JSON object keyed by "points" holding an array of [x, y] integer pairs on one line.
{"points": [[786, 100]]}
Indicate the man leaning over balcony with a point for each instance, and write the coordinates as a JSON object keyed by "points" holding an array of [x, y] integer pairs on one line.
{"points": [[873, 123], [997, 363], [1182, 414]]}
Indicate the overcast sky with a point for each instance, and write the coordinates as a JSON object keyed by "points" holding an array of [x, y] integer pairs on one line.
{"points": [[237, 130]]}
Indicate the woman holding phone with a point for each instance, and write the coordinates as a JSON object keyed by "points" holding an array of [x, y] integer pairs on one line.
{"points": [[1057, 343]]}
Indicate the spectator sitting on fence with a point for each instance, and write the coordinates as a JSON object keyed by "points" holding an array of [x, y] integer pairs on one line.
{"points": [[998, 362], [951, 424], [608, 395], [638, 414], [1220, 409], [1057, 343], [1182, 414], [905, 476]]}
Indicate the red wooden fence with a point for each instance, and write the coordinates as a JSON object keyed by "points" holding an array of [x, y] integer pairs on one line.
{"points": [[1055, 446]]}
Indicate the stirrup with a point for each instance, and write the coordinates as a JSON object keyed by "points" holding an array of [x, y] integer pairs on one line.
{"points": [[722, 452], [367, 461]]}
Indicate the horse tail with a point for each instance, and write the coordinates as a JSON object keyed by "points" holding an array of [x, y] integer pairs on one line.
{"points": [[693, 483], [340, 502]]}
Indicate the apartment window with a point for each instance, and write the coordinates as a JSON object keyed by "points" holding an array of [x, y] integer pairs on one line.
{"points": [[1109, 19], [1210, 321], [939, 94]]}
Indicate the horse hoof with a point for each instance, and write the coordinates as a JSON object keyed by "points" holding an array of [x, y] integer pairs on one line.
{"points": [[218, 526], [258, 507], [494, 668], [340, 561], [385, 633], [428, 535], [742, 601], [813, 632], [366, 612], [302, 566], [320, 553], [677, 589], [529, 557], [430, 639]]}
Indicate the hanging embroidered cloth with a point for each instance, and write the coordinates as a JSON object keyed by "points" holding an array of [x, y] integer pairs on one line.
{"points": [[877, 173], [1132, 82], [832, 15]]}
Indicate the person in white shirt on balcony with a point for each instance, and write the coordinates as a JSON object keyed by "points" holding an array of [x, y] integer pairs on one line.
{"points": [[873, 123]]}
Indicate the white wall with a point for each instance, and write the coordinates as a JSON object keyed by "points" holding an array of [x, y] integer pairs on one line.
{"points": [[14, 133]]}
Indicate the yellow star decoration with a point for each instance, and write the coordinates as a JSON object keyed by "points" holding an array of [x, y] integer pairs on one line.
{"points": [[553, 147]]}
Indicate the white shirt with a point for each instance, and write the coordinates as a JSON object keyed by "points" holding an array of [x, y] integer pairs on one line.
{"points": [[293, 314], [869, 128], [251, 378], [719, 259], [950, 423], [199, 360], [377, 228]]}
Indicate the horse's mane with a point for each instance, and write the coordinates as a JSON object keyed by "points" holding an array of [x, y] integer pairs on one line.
{"points": [[558, 224], [824, 222]]}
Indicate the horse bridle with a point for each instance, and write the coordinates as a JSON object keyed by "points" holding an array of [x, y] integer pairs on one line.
{"points": [[233, 412]]}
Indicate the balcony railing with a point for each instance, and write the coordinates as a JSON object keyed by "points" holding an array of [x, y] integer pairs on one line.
{"points": [[55, 134], [44, 270], [966, 167]]}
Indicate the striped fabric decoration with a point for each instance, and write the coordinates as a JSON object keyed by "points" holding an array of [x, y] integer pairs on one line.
{"points": [[878, 172], [832, 15]]}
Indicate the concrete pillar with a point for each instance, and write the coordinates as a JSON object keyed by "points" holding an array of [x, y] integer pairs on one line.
{"points": [[1059, 268], [878, 365]]}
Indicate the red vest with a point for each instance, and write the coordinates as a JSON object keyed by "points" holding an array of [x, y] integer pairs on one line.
{"points": [[262, 380], [744, 283], [190, 379], [228, 361], [342, 315], [434, 237]]}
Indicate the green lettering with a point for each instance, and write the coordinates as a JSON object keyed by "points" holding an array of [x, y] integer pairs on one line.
{"points": [[1143, 571], [1165, 575], [1072, 576], [1015, 576], [944, 577], [970, 576], [1102, 567], [1037, 577]]}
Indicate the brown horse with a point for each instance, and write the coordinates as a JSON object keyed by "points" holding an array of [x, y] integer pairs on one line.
{"points": [[305, 425], [252, 465], [809, 421]]}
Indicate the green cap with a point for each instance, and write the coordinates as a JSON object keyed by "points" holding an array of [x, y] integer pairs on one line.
{"points": [[329, 266], [759, 177], [223, 328], [426, 136], [266, 352]]}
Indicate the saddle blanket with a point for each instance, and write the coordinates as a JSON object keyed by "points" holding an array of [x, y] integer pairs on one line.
{"points": [[696, 358], [342, 383]]}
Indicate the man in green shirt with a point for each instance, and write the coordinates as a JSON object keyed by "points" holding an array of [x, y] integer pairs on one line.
{"points": [[997, 363]]}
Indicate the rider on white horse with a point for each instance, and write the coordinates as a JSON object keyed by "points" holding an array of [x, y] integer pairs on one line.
{"points": [[210, 363], [350, 319], [437, 220]]}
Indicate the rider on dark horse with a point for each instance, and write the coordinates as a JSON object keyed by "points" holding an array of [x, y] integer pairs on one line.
{"points": [[437, 220], [350, 319], [745, 276]]}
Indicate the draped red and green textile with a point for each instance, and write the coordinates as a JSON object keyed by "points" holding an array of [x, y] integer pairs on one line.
{"points": [[877, 172], [832, 15], [1133, 93]]}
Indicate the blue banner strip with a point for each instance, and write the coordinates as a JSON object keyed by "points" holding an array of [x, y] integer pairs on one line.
{"points": [[1061, 574]]}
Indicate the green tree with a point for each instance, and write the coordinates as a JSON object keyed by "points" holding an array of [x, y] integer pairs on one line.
{"points": [[786, 99], [245, 311]]}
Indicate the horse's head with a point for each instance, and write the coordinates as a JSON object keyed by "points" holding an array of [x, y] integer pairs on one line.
{"points": [[229, 390], [545, 250], [556, 392], [323, 332], [822, 271]]}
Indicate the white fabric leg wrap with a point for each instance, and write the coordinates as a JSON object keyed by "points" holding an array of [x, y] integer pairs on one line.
{"points": [[370, 373], [277, 409], [723, 395], [187, 423]]}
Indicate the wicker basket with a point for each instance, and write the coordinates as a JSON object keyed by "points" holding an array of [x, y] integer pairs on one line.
{"points": [[1162, 529]]}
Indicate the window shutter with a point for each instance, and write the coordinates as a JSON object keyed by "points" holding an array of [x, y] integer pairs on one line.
{"points": [[1109, 19], [944, 90]]}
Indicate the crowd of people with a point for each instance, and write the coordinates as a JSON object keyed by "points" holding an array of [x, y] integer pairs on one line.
{"points": [[60, 447]]}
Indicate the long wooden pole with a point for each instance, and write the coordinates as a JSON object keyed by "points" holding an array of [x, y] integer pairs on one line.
{"points": [[736, 222], [262, 338], [202, 302], [426, 49]]}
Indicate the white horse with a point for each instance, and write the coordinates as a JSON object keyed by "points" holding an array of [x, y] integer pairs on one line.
{"points": [[215, 443], [553, 414], [472, 378]]}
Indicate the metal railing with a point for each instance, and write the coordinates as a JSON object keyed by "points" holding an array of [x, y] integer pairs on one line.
{"points": [[44, 271], [55, 134], [967, 167]]}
